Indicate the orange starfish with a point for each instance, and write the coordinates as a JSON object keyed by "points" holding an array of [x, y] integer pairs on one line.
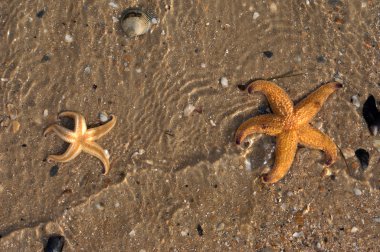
{"points": [[290, 125], [81, 139]]}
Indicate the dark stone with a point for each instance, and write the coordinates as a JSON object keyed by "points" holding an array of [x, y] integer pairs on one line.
{"points": [[54, 170], [55, 244], [268, 54], [45, 58], [363, 157], [321, 59], [371, 115], [40, 14], [200, 230], [94, 87]]}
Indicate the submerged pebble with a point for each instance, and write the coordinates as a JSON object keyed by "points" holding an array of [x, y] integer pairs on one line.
{"points": [[55, 244], [224, 82], [268, 54], [188, 110], [255, 15], [135, 22], [103, 117], [357, 192], [69, 38], [355, 101], [371, 115], [363, 157]]}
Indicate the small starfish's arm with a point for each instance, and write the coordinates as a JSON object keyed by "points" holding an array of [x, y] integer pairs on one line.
{"points": [[267, 124], [96, 133], [286, 147], [65, 134], [313, 138], [94, 149], [279, 101], [80, 122], [72, 152], [310, 106]]}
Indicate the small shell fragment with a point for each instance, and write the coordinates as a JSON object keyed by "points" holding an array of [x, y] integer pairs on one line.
{"points": [[15, 126], [355, 101], [135, 22], [188, 110], [224, 82]]}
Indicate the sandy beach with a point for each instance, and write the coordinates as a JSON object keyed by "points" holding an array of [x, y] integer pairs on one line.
{"points": [[178, 181]]}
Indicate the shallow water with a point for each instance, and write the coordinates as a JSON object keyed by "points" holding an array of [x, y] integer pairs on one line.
{"points": [[191, 173]]}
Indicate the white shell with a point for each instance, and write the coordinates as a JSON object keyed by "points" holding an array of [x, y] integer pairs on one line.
{"points": [[135, 22]]}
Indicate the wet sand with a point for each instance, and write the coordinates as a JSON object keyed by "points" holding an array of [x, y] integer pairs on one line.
{"points": [[177, 182]]}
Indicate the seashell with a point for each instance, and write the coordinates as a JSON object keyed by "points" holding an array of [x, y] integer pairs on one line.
{"points": [[135, 22], [363, 157], [371, 115]]}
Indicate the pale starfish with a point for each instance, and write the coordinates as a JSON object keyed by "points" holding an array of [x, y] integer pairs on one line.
{"points": [[290, 125], [81, 139]]}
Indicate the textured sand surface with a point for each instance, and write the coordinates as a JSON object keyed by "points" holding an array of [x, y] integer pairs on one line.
{"points": [[179, 182]]}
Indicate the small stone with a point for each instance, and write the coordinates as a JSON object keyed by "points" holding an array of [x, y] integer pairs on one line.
{"points": [[376, 144], [355, 101], [15, 126], [203, 65], [4, 79], [220, 226], [45, 58], [188, 110], [107, 153], [6, 122], [268, 54], [363, 157], [99, 206], [273, 7], [154, 20], [224, 82], [298, 234], [55, 243], [115, 19], [138, 153], [321, 59], [138, 70], [255, 15], [248, 165], [348, 153], [12, 111], [69, 38], [212, 123], [113, 5], [376, 219], [103, 117], [354, 229], [132, 233], [357, 192], [185, 232], [87, 70], [46, 113], [54, 171], [40, 14]]}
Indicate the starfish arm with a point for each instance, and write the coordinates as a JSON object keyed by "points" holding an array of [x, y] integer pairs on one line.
{"points": [[279, 101], [313, 138], [96, 133], [267, 124], [310, 106], [80, 122], [94, 149], [72, 152], [65, 134], [286, 147]]}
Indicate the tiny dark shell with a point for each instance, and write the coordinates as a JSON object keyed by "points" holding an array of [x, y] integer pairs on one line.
{"points": [[363, 157], [55, 243], [371, 115]]}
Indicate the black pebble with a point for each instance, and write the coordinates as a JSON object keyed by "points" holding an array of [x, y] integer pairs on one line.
{"points": [[200, 230], [321, 59], [363, 157], [268, 54], [40, 14], [55, 244], [45, 58], [54, 170], [371, 115]]}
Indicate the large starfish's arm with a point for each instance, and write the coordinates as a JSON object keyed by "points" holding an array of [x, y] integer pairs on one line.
{"points": [[96, 133], [313, 138], [80, 122], [279, 101], [286, 147], [309, 107], [94, 149], [267, 124], [72, 152], [65, 134]]}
